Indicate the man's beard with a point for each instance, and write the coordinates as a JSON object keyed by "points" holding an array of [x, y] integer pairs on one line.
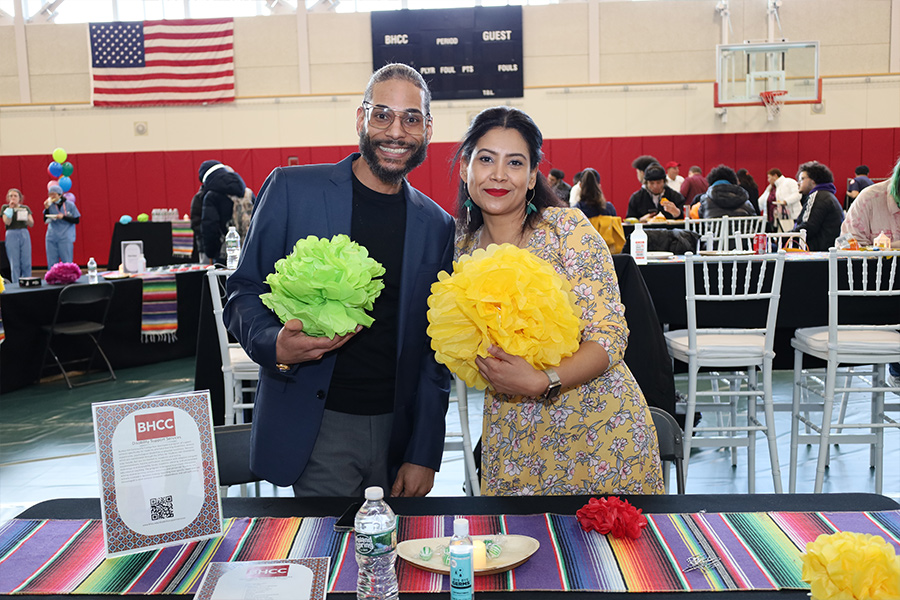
{"points": [[387, 175]]}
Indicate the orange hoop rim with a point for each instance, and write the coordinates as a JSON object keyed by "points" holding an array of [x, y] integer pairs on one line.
{"points": [[772, 97]]}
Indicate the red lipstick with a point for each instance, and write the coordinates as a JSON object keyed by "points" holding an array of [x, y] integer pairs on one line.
{"points": [[497, 192]]}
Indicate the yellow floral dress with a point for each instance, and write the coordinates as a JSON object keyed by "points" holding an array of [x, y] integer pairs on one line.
{"points": [[597, 438]]}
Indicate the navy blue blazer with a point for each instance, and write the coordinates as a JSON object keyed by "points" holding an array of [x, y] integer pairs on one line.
{"points": [[296, 202]]}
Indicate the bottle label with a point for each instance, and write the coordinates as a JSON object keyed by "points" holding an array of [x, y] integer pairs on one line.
{"points": [[462, 573], [376, 544]]}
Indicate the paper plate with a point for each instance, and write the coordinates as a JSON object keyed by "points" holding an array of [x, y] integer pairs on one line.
{"points": [[657, 254], [516, 550], [115, 275]]}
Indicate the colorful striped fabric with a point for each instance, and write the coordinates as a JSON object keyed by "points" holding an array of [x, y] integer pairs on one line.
{"points": [[182, 239], [740, 551], [159, 313]]}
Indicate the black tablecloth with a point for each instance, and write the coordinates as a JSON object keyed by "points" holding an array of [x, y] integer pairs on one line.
{"points": [[26, 310], [157, 238], [5, 268], [646, 354], [804, 303], [89, 508]]}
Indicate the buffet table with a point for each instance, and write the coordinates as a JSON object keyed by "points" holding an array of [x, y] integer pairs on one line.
{"points": [[26, 310], [804, 302], [761, 520], [157, 239]]}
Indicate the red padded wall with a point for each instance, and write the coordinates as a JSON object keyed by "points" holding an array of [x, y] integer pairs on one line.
{"points": [[110, 185]]}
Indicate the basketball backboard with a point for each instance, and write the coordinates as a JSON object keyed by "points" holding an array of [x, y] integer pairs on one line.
{"points": [[745, 70]]}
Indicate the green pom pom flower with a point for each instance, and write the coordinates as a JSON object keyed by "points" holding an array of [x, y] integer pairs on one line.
{"points": [[327, 284]]}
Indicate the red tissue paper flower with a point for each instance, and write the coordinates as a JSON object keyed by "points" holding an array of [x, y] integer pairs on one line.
{"points": [[63, 273], [612, 515]]}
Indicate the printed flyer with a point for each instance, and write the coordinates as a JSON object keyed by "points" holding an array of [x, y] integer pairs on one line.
{"points": [[158, 475], [288, 579]]}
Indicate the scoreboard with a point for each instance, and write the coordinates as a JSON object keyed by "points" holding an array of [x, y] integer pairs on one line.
{"points": [[462, 53]]}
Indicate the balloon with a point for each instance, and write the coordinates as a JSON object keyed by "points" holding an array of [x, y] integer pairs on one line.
{"points": [[51, 183], [67, 169], [143, 218], [65, 183], [55, 169], [125, 219], [59, 155], [70, 197]]}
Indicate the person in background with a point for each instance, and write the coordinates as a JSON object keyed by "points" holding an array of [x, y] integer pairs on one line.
{"points": [[575, 192], [781, 197], [640, 164], [876, 209], [18, 218], [655, 197], [197, 217], [746, 181], [582, 427], [61, 217], [724, 196], [556, 179], [859, 182], [822, 214], [673, 179], [334, 416], [223, 188], [694, 185], [593, 203]]}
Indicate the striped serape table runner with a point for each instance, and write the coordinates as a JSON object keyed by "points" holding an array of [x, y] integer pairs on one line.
{"points": [[745, 551], [159, 312], [182, 239]]}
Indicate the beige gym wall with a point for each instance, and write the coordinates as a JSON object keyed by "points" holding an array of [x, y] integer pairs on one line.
{"points": [[578, 59]]}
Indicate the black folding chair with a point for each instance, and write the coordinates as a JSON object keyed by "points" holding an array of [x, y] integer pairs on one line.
{"points": [[671, 445], [80, 311]]}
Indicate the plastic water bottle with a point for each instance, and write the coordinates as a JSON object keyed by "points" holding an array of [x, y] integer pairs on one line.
{"points": [[462, 566], [376, 548], [639, 244], [232, 248], [92, 271]]}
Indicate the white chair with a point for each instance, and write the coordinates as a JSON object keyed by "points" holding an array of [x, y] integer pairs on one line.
{"points": [[240, 373], [461, 441], [744, 226], [754, 277], [709, 230], [873, 276]]}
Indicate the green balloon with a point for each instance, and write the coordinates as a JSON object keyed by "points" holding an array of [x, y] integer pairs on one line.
{"points": [[59, 155], [143, 218], [67, 169]]}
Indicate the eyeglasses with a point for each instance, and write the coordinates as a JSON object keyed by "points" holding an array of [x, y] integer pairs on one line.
{"points": [[381, 117]]}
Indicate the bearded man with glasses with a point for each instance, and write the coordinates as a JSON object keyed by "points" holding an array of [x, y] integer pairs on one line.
{"points": [[334, 416]]}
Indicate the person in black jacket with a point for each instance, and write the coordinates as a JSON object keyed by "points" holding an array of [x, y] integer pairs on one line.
{"points": [[724, 196], [223, 188], [655, 197], [821, 215]]}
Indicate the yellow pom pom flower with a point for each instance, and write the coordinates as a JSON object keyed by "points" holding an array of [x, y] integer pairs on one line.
{"points": [[503, 296], [850, 566]]}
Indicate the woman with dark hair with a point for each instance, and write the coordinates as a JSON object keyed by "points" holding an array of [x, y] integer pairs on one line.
{"points": [[582, 427], [593, 203], [746, 181], [724, 196]]}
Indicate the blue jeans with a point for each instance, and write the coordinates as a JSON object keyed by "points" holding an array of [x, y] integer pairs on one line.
{"points": [[18, 249], [59, 251]]}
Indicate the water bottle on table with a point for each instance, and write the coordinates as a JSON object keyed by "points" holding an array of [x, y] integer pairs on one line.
{"points": [[92, 271], [376, 548], [232, 248]]}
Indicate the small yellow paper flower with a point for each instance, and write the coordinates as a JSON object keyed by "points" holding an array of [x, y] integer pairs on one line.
{"points": [[851, 566], [503, 296]]}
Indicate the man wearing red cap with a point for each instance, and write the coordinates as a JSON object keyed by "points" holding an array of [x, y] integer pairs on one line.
{"points": [[673, 179]]}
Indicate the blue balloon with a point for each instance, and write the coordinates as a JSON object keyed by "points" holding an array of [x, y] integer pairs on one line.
{"points": [[125, 219], [55, 169], [65, 183]]}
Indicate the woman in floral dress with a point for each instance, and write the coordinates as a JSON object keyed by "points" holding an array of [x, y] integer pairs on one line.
{"points": [[590, 433]]}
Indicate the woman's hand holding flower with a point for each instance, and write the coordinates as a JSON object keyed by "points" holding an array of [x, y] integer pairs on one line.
{"points": [[508, 374]]}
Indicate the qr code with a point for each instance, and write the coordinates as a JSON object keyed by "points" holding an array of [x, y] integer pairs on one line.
{"points": [[161, 508]]}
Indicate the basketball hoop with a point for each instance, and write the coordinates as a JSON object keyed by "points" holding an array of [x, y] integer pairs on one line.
{"points": [[773, 101]]}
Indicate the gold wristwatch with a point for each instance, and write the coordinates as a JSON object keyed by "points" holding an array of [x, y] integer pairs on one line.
{"points": [[283, 368], [555, 384]]}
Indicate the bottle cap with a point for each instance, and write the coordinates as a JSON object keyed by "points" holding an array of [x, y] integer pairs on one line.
{"points": [[460, 528], [374, 493]]}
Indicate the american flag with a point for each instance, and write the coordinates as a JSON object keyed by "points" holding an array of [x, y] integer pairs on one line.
{"points": [[146, 63]]}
